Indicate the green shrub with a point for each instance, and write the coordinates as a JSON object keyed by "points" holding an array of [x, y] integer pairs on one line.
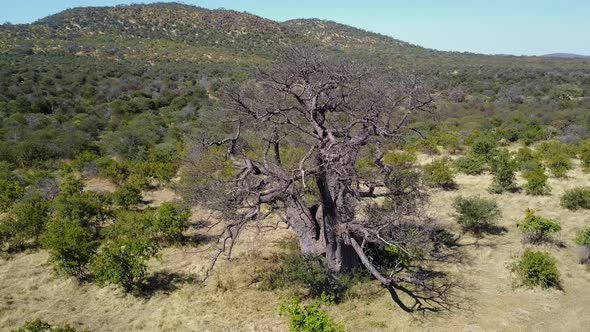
{"points": [[10, 192], [537, 229], [128, 195], [577, 198], [584, 154], [171, 220], [470, 165], [439, 174], [38, 325], [71, 246], [309, 318], [476, 214], [535, 268], [123, 262], [308, 271], [483, 145], [131, 225], [90, 209], [526, 156], [536, 182], [583, 237], [70, 185], [559, 164], [24, 222], [503, 168], [402, 159], [583, 240]]}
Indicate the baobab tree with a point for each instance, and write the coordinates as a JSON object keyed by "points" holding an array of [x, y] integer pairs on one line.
{"points": [[301, 130]]}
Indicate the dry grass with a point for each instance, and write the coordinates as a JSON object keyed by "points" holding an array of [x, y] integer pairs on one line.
{"points": [[230, 300]]}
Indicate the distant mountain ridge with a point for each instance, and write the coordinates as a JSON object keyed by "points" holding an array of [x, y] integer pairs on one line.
{"points": [[566, 56]]}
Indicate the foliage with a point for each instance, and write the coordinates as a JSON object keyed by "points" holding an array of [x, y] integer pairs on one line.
{"points": [[128, 195], [537, 229], [535, 268], [583, 237], [476, 214], [309, 318], [123, 262], [583, 240], [559, 164], [71, 246], [584, 154], [171, 220], [577, 198], [38, 325], [24, 222], [503, 168], [10, 191], [470, 164], [90, 209], [536, 182], [439, 174]]}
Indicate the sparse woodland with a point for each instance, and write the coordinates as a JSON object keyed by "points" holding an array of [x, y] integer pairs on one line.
{"points": [[223, 171]]}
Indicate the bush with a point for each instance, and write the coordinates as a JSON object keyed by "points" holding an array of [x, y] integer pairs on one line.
{"points": [[536, 182], [123, 262], [584, 154], [71, 246], [128, 195], [476, 214], [583, 240], [483, 145], [303, 270], [526, 156], [10, 192], [537, 229], [439, 174], [25, 222], [309, 318], [577, 198], [537, 268], [470, 165], [38, 325], [171, 220], [70, 185], [559, 164], [503, 168], [90, 209]]}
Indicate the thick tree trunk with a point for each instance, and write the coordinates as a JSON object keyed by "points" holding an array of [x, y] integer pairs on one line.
{"points": [[308, 230]]}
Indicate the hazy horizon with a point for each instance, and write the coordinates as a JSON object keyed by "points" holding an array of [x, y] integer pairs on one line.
{"points": [[503, 27]]}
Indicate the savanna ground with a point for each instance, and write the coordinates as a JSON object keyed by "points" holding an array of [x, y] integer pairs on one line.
{"points": [[229, 300]]}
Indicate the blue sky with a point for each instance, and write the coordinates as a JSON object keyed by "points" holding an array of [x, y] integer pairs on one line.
{"points": [[491, 26]]}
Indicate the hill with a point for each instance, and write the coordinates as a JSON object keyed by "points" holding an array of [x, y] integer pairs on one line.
{"points": [[566, 56]]}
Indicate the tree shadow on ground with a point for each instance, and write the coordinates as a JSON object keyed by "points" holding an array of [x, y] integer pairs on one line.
{"points": [[163, 282]]}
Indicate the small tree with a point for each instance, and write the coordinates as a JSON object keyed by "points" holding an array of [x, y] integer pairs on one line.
{"points": [[71, 246], [536, 182], [123, 262], [10, 191], [25, 222], [439, 174], [171, 220], [128, 195], [503, 168], [476, 214]]}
